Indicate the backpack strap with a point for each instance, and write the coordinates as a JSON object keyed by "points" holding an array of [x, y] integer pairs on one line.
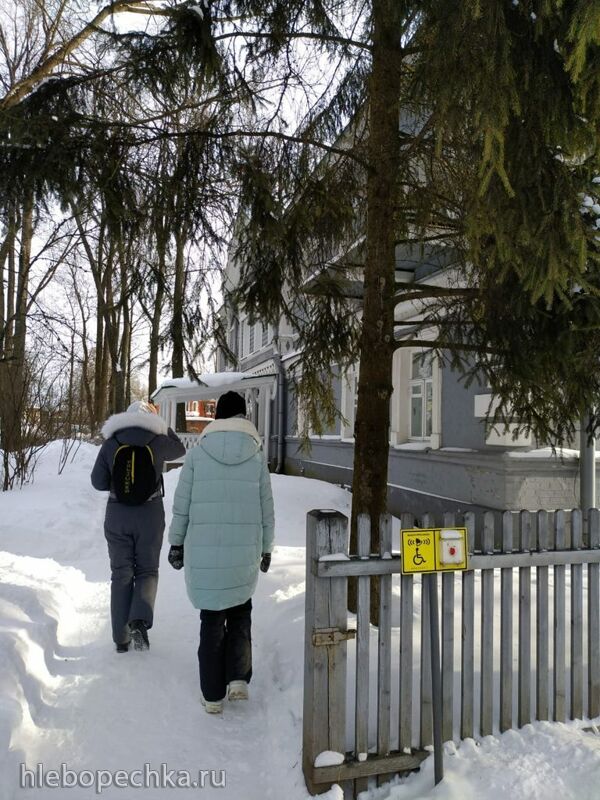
{"points": [[160, 483]]}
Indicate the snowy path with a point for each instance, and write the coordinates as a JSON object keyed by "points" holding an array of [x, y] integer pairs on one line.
{"points": [[67, 698]]}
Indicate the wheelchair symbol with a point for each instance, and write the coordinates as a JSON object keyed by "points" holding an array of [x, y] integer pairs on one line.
{"points": [[418, 558]]}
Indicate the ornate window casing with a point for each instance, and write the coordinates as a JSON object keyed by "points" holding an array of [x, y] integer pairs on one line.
{"points": [[416, 401], [252, 338], [421, 395]]}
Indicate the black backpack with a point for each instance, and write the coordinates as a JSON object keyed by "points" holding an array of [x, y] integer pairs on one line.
{"points": [[133, 475]]}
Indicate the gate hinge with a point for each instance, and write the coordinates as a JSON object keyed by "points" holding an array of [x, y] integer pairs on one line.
{"points": [[324, 637]]}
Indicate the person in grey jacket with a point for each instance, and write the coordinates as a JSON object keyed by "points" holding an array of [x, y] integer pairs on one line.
{"points": [[134, 533], [222, 533]]}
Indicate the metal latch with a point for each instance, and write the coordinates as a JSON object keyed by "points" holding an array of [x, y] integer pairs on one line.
{"points": [[324, 637]]}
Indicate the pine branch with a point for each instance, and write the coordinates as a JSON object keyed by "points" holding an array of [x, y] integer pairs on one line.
{"points": [[45, 69], [321, 37], [249, 134]]}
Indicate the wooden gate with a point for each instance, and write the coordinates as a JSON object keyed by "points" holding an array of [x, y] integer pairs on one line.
{"points": [[533, 587]]}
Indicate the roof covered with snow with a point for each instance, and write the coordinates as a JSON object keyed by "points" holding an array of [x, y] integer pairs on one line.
{"points": [[209, 385]]}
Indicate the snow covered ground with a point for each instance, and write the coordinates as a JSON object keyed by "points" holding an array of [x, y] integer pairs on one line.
{"points": [[67, 698]]}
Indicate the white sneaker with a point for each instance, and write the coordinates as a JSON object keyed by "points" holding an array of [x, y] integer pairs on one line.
{"points": [[211, 706], [238, 690]]}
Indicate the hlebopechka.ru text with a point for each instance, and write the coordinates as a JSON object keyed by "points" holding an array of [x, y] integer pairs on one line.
{"points": [[99, 779]]}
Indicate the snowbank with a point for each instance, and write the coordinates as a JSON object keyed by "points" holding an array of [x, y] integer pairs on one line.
{"points": [[67, 697], [539, 762]]}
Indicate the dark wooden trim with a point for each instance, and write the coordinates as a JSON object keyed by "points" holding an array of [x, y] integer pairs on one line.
{"points": [[374, 765]]}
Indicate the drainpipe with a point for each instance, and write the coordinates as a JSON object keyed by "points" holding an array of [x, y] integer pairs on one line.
{"points": [[281, 385]]}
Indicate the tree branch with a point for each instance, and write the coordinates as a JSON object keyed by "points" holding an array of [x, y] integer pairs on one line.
{"points": [[44, 70], [306, 35]]}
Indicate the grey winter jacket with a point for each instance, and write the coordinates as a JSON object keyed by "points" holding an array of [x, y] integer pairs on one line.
{"points": [[137, 429]]}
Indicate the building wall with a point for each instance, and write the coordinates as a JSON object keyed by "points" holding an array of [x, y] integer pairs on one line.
{"points": [[458, 466], [420, 481], [460, 427]]}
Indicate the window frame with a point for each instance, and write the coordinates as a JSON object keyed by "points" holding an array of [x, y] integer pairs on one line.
{"points": [[425, 384]]}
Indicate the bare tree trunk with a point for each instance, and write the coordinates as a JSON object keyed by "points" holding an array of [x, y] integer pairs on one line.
{"points": [[177, 365], [125, 346], [20, 327], [13, 374], [112, 325], [86, 393], [7, 246], [157, 309], [14, 222], [71, 397], [369, 486], [99, 387]]}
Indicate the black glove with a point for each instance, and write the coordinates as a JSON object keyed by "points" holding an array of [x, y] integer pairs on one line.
{"points": [[265, 562], [176, 556]]}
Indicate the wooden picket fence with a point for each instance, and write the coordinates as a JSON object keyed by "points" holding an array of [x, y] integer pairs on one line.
{"points": [[542, 670]]}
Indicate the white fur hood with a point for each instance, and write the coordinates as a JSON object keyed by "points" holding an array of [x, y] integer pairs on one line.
{"points": [[134, 419], [238, 424]]}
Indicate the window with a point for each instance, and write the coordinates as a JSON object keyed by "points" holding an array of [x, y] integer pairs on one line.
{"points": [[232, 339], [421, 395], [242, 343], [252, 337]]}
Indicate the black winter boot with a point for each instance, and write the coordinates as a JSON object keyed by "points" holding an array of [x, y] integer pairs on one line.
{"points": [[139, 634], [123, 648]]}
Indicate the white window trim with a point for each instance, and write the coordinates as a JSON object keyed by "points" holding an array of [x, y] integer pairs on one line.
{"points": [[422, 382], [257, 329], [401, 401], [348, 402]]}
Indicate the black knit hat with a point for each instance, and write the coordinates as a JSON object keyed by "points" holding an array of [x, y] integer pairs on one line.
{"points": [[229, 405]]}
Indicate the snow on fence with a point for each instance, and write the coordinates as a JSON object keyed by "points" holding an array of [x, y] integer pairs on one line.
{"points": [[368, 689]]}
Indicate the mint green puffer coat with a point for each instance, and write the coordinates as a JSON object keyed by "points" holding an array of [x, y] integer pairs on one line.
{"points": [[223, 514]]}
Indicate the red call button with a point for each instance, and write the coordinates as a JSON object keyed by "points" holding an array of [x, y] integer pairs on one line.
{"points": [[453, 551]]}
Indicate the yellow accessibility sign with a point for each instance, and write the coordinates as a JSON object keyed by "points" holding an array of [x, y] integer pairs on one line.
{"points": [[433, 550]]}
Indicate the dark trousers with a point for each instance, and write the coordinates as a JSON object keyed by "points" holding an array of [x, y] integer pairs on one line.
{"points": [[225, 651], [134, 535]]}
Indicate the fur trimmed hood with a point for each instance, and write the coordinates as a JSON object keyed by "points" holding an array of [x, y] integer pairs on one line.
{"points": [[237, 424], [134, 419]]}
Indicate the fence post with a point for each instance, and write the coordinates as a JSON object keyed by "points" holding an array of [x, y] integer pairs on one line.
{"points": [[467, 677], [324, 719], [487, 630], [524, 646], [593, 622], [363, 635], [577, 618], [448, 645], [384, 657], [405, 722], [559, 622], [506, 628]]}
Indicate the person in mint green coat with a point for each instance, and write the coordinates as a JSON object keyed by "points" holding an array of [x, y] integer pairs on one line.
{"points": [[222, 533]]}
